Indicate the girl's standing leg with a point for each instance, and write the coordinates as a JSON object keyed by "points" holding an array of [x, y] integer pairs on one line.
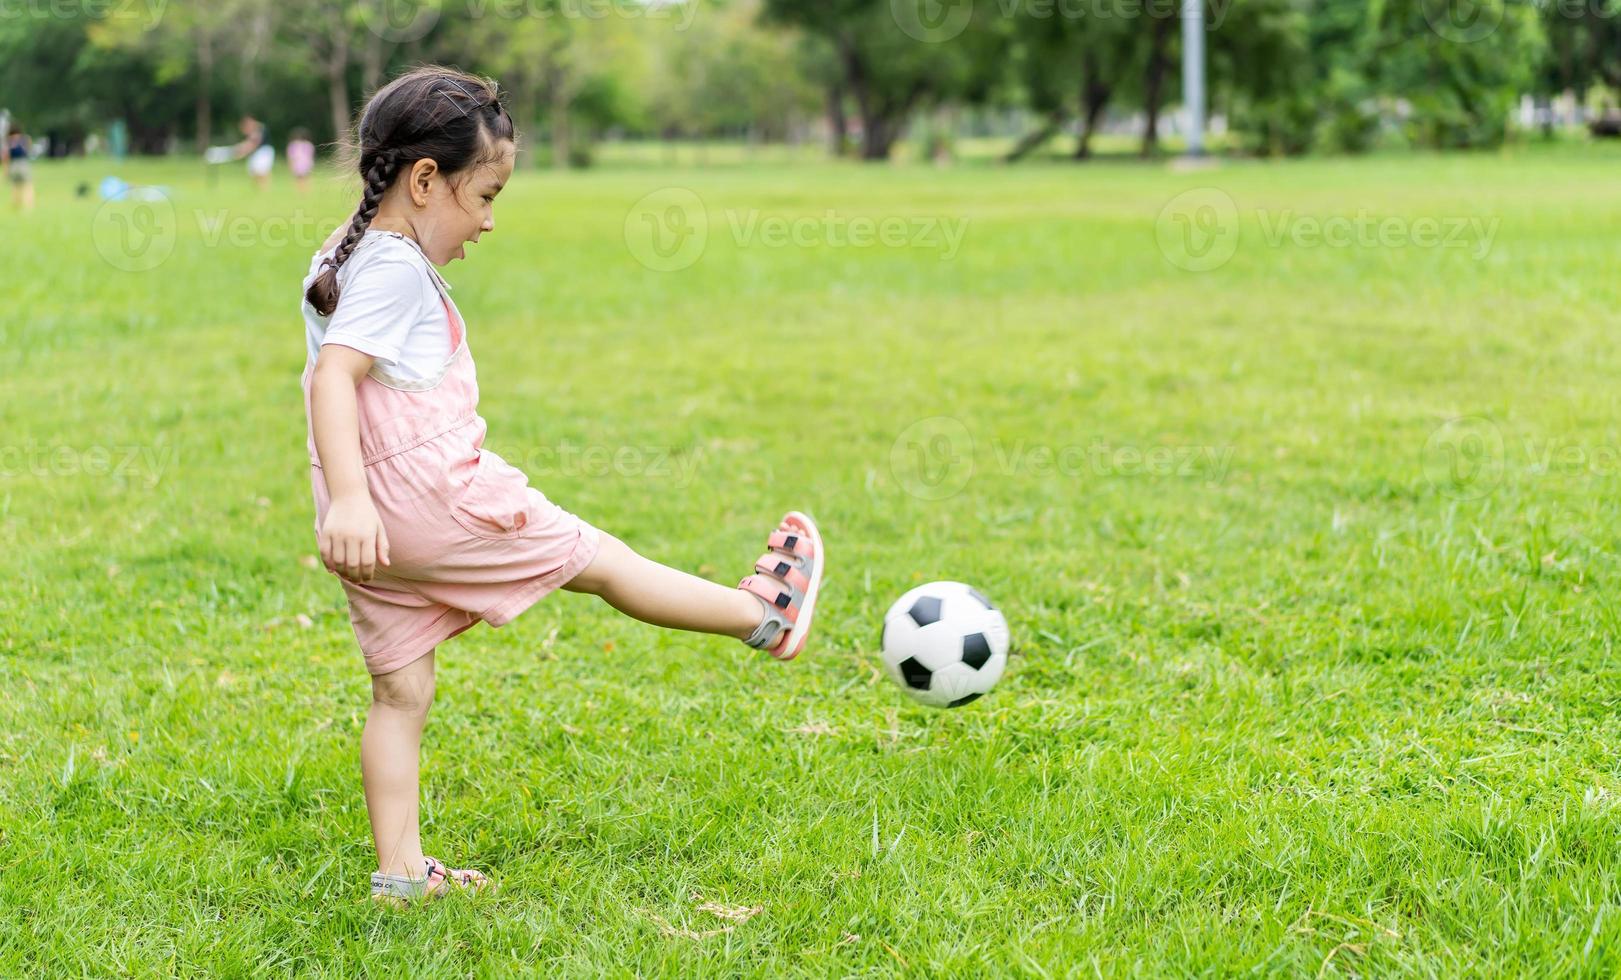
{"points": [[665, 596], [389, 756]]}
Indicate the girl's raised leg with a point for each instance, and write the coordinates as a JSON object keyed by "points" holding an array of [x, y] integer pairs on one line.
{"points": [[665, 596], [771, 609]]}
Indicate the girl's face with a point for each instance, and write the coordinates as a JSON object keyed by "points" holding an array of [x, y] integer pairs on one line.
{"points": [[447, 214]]}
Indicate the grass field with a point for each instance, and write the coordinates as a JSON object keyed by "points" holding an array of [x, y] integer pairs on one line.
{"points": [[1310, 559]]}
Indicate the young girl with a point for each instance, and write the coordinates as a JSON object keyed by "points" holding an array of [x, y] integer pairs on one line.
{"points": [[429, 531], [301, 159]]}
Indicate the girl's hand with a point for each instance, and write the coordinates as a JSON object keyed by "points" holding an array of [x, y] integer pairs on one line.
{"points": [[353, 542]]}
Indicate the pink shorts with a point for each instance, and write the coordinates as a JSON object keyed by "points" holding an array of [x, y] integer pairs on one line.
{"points": [[469, 540]]}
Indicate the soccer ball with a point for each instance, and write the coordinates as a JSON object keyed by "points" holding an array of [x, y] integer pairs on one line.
{"points": [[944, 644]]}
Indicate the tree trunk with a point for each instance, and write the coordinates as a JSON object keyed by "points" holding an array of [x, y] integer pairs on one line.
{"points": [[337, 85], [837, 120], [1154, 83], [371, 63], [878, 137], [881, 119], [562, 137], [205, 89], [1095, 94], [1033, 140]]}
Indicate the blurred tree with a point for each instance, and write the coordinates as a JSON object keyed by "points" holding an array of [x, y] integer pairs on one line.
{"points": [[725, 74], [892, 57], [1289, 75], [1331, 74], [561, 67], [1583, 48], [1071, 67], [329, 31]]}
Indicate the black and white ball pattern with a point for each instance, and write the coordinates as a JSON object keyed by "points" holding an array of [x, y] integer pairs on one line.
{"points": [[945, 644]]}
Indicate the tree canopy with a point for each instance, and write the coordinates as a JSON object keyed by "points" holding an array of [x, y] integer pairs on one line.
{"points": [[1288, 76]]}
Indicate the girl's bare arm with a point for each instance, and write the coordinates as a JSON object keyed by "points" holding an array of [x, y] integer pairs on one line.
{"points": [[352, 538]]}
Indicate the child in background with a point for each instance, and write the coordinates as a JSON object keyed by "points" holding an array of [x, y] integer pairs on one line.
{"points": [[19, 169], [301, 158], [257, 148]]}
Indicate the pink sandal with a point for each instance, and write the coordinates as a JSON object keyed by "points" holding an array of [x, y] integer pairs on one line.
{"points": [[786, 581], [401, 890]]}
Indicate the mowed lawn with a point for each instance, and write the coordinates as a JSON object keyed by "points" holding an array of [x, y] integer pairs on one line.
{"points": [[1310, 559]]}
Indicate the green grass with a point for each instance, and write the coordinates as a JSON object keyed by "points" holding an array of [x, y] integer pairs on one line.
{"points": [[1343, 703]]}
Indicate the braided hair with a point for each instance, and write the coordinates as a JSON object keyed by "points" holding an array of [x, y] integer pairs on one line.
{"points": [[455, 119]]}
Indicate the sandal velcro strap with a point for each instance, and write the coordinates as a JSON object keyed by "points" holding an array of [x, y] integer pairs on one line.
{"points": [[785, 601], [785, 567], [791, 542]]}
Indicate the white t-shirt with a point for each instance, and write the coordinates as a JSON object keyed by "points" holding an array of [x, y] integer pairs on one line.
{"points": [[389, 307]]}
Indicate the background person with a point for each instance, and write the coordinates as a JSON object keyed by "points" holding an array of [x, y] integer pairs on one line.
{"points": [[19, 169], [301, 158], [257, 148]]}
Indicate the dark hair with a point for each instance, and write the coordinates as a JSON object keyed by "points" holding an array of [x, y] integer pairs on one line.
{"points": [[299, 133], [432, 113]]}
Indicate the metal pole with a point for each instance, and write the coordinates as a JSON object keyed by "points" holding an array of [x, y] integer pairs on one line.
{"points": [[1193, 73]]}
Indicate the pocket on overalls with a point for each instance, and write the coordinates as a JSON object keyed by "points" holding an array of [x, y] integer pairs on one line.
{"points": [[496, 501]]}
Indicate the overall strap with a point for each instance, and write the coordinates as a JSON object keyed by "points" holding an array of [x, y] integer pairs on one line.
{"points": [[455, 323], [457, 328]]}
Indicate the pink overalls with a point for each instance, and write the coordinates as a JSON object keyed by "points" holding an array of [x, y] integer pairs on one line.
{"points": [[469, 538]]}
